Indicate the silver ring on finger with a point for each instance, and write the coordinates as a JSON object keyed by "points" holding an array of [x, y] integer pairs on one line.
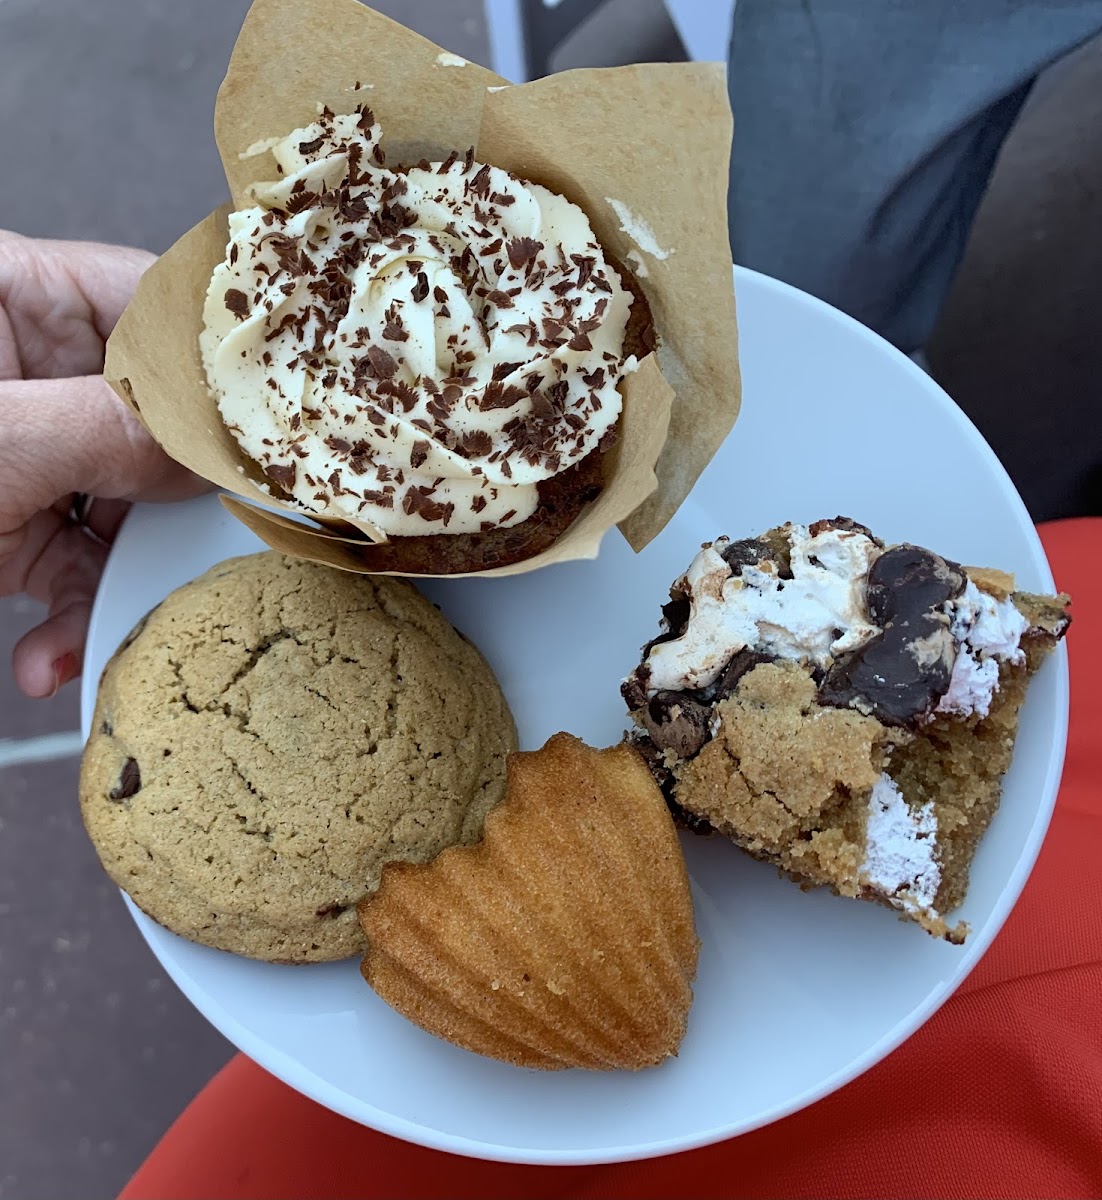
{"points": [[80, 507]]}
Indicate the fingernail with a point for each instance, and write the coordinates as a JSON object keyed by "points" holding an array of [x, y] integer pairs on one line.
{"points": [[65, 668]]}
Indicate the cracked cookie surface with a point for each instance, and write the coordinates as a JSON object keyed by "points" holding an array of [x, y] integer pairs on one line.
{"points": [[270, 736]]}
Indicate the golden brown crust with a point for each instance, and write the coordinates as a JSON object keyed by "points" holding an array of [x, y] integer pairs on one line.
{"points": [[1048, 616], [565, 938], [991, 580]]}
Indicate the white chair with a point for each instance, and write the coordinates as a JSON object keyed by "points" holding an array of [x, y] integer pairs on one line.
{"points": [[525, 33]]}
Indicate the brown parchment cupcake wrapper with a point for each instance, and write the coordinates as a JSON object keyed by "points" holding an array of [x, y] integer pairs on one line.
{"points": [[643, 150]]}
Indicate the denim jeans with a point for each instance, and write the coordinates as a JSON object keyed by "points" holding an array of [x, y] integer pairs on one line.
{"points": [[865, 135]]}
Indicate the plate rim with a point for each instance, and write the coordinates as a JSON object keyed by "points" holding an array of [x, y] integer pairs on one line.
{"points": [[308, 1083]]}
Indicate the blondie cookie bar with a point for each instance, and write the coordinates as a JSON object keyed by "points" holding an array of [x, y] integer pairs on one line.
{"points": [[841, 708]]}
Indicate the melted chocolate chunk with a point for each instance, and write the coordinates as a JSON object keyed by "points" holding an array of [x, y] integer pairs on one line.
{"points": [[667, 784], [664, 777], [634, 689], [130, 782], [652, 756], [901, 674], [846, 524], [676, 613], [743, 662], [677, 722], [746, 553], [908, 581], [681, 721]]}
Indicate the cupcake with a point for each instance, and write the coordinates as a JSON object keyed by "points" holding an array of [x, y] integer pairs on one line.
{"points": [[431, 353], [446, 325]]}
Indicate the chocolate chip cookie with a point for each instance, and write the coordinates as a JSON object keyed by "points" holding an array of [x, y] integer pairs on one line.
{"points": [[842, 708], [274, 733]]}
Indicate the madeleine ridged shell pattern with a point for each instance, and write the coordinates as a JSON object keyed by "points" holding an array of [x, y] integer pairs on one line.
{"points": [[565, 938]]}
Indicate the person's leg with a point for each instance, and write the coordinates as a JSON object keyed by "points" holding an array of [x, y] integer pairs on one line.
{"points": [[865, 134]]}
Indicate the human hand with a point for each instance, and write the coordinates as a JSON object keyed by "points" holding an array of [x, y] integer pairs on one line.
{"points": [[63, 432]]}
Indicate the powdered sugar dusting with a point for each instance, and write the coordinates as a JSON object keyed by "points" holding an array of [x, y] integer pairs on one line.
{"points": [[992, 627], [973, 683]]}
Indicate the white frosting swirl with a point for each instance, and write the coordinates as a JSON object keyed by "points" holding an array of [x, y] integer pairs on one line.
{"points": [[416, 348]]}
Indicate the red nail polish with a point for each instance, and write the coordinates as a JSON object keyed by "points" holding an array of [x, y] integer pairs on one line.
{"points": [[65, 668]]}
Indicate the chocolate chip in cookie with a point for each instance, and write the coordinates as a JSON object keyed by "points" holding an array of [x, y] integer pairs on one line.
{"points": [[130, 782]]}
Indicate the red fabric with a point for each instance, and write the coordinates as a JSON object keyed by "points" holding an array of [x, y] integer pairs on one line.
{"points": [[1000, 1094]]}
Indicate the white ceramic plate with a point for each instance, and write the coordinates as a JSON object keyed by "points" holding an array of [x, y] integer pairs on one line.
{"points": [[796, 994]]}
